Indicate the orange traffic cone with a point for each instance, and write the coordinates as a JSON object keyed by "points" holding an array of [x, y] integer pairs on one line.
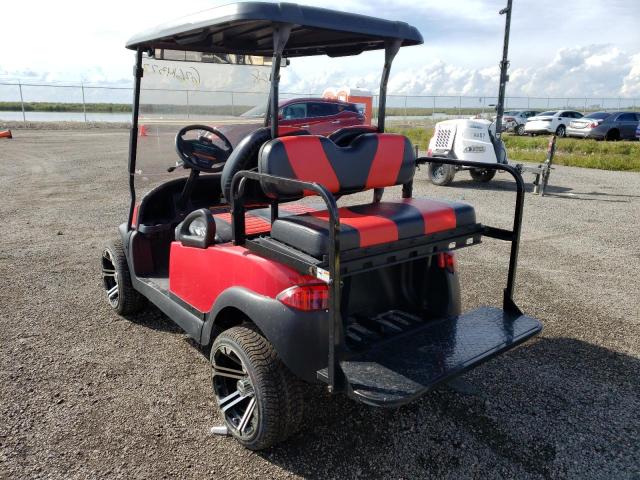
{"points": [[143, 131], [5, 134]]}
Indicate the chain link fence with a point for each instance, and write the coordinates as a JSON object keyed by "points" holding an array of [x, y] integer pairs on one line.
{"points": [[32, 102]]}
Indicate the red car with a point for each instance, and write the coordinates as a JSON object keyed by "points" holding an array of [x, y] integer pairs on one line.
{"points": [[319, 116]]}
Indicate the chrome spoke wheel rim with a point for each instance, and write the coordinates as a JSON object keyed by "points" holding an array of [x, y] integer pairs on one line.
{"points": [[110, 279], [234, 392]]}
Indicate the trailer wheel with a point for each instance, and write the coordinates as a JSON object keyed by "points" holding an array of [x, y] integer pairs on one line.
{"points": [[116, 279], [440, 174], [482, 174], [260, 401]]}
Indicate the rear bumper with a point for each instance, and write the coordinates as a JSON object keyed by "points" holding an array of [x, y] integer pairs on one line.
{"points": [[578, 132], [538, 129]]}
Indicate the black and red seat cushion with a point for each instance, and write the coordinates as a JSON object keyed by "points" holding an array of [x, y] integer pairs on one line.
{"points": [[372, 224], [372, 160], [256, 221]]}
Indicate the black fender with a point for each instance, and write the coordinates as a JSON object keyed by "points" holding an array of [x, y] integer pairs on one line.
{"points": [[301, 339]]}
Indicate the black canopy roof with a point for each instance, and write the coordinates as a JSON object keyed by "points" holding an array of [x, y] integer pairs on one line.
{"points": [[246, 28]]}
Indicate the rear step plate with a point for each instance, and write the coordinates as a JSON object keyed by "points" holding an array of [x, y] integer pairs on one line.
{"points": [[400, 370]]}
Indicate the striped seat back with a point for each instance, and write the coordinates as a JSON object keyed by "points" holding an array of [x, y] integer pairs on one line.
{"points": [[372, 160]]}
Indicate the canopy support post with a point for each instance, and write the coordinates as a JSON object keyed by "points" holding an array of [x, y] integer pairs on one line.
{"points": [[391, 48], [280, 37], [133, 135]]}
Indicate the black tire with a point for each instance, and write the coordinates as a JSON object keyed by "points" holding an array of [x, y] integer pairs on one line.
{"points": [[561, 131], [261, 380], [441, 174], [117, 281], [482, 175], [612, 135], [520, 130]]}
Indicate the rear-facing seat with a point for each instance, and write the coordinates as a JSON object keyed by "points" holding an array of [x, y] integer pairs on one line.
{"points": [[371, 161]]}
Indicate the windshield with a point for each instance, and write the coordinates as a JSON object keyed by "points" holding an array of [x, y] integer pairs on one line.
{"points": [[215, 91], [258, 111], [546, 114], [598, 115]]}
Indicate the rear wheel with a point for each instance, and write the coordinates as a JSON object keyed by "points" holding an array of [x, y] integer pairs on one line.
{"points": [[612, 135], [441, 174], [258, 398], [561, 131], [482, 174], [520, 130], [117, 281]]}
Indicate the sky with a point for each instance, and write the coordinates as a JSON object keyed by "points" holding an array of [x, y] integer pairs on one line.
{"points": [[577, 48]]}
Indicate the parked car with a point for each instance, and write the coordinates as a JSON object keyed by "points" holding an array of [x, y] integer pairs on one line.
{"points": [[515, 120], [555, 121], [582, 127], [319, 116], [617, 126]]}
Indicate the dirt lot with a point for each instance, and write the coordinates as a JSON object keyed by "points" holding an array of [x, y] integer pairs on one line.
{"points": [[84, 393]]}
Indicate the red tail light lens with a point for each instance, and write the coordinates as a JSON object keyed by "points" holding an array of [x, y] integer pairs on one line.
{"points": [[593, 124], [306, 297], [448, 261]]}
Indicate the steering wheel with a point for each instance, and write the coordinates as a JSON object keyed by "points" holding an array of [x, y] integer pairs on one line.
{"points": [[202, 154]]}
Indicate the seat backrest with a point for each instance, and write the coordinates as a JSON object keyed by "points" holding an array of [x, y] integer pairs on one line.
{"points": [[372, 160]]}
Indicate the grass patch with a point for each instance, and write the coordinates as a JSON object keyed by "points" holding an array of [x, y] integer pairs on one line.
{"points": [[574, 152]]}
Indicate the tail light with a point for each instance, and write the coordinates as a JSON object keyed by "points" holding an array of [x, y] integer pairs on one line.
{"points": [[509, 119], [594, 124], [313, 296], [448, 261], [429, 152]]}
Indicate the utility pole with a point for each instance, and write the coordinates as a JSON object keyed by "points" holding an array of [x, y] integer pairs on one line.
{"points": [[504, 66]]}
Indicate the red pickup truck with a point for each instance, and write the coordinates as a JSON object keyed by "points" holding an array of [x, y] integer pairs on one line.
{"points": [[319, 116]]}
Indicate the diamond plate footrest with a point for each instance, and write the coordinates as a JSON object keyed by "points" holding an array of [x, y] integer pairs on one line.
{"points": [[400, 370]]}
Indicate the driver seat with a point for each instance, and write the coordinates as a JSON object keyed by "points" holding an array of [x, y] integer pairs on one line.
{"points": [[245, 157]]}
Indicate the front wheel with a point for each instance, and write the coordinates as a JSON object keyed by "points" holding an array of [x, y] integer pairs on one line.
{"points": [[482, 174], [258, 397], [441, 174], [116, 279], [520, 130]]}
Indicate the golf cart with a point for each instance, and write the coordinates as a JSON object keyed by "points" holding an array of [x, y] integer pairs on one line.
{"points": [[480, 141], [363, 298]]}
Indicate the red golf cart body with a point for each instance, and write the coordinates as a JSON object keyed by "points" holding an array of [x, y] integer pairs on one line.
{"points": [[364, 298]]}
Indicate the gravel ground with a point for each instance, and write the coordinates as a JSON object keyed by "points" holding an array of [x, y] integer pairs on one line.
{"points": [[85, 393]]}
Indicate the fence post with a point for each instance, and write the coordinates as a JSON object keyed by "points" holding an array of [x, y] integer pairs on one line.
{"points": [[459, 106], [188, 106], [405, 109], [84, 105], [233, 110], [24, 118], [585, 104]]}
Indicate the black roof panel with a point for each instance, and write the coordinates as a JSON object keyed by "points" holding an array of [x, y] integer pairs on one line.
{"points": [[246, 28]]}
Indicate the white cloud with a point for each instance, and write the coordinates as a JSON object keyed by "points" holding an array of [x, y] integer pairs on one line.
{"points": [[631, 82], [588, 71]]}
